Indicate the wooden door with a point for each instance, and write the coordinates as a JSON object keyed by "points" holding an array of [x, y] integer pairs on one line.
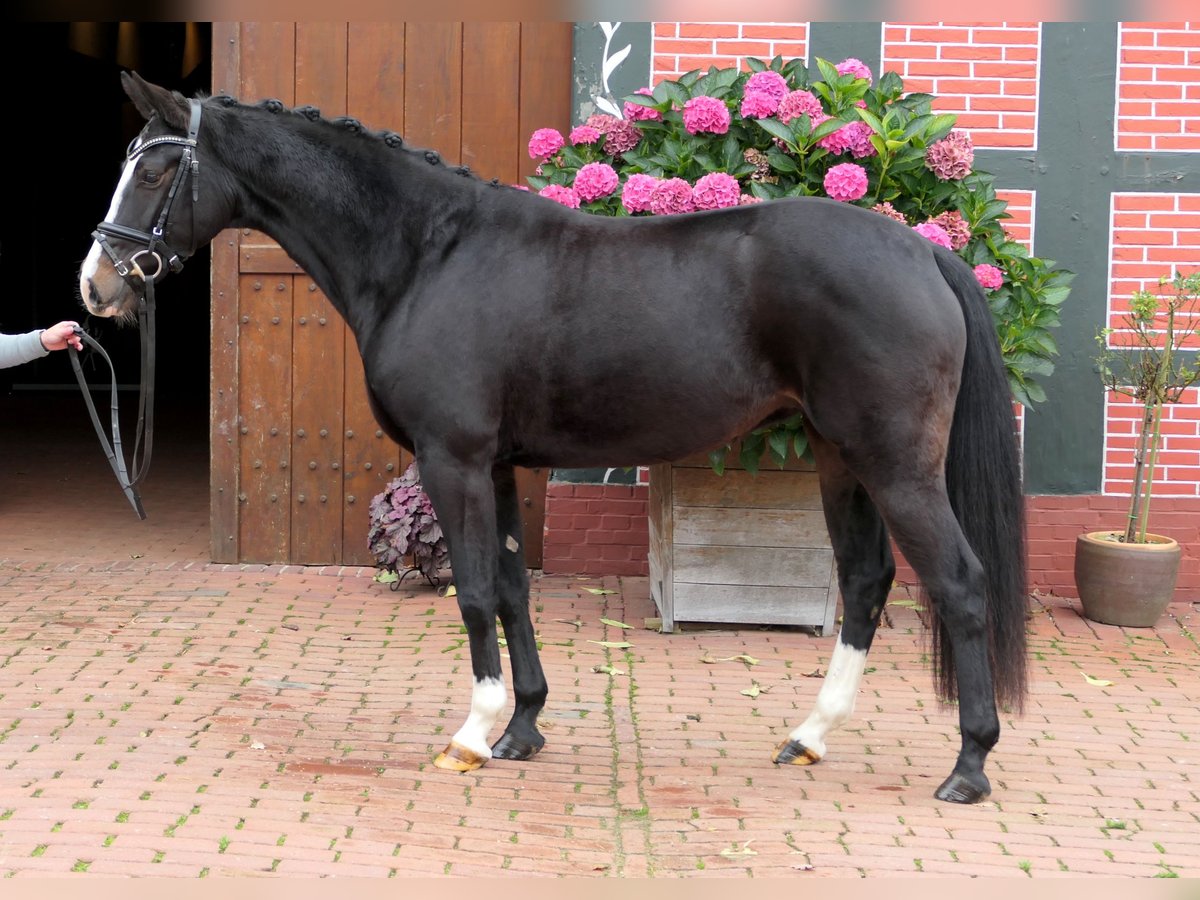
{"points": [[296, 454]]}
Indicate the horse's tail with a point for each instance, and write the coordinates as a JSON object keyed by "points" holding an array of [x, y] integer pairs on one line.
{"points": [[983, 479]]}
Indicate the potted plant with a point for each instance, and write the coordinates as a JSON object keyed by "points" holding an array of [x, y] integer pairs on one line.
{"points": [[725, 137], [404, 533], [1127, 577]]}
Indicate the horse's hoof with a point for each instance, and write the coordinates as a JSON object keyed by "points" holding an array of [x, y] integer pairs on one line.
{"points": [[509, 747], [457, 758], [794, 753], [960, 789]]}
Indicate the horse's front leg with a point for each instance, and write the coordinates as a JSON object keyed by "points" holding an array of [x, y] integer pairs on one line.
{"points": [[865, 570], [461, 493], [521, 739]]}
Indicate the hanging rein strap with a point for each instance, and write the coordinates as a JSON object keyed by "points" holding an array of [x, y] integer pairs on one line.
{"points": [[129, 477]]}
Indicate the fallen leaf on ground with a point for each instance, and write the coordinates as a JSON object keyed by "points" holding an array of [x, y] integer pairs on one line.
{"points": [[258, 745], [614, 623], [736, 852], [599, 591], [755, 689], [907, 604], [451, 591], [743, 657], [608, 670], [803, 867], [1096, 682], [386, 577], [815, 673], [612, 645], [576, 622]]}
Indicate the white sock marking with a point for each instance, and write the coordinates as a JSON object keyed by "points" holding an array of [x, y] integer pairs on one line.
{"points": [[835, 702], [487, 702]]}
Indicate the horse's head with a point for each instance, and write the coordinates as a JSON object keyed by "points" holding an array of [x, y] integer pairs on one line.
{"points": [[159, 213]]}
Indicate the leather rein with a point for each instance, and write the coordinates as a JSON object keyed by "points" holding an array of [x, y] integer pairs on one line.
{"points": [[129, 477]]}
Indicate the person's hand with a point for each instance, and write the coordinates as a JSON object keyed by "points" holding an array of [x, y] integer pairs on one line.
{"points": [[61, 336]]}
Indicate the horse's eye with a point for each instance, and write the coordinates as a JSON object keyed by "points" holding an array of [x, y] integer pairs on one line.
{"points": [[150, 177]]}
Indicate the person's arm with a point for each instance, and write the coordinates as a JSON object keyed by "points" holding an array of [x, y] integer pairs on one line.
{"points": [[21, 348]]}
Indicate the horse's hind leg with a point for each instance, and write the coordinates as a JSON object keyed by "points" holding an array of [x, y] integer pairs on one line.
{"points": [[927, 532], [461, 492], [865, 573], [521, 739]]}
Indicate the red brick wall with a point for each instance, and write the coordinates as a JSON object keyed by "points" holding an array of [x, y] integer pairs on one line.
{"points": [[596, 529], [1158, 100]]}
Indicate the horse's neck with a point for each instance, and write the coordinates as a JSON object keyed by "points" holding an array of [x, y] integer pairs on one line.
{"points": [[319, 207]]}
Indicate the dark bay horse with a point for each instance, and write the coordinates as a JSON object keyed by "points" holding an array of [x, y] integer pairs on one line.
{"points": [[498, 328]]}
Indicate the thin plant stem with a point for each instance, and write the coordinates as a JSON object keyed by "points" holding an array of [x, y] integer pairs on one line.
{"points": [[1148, 489]]}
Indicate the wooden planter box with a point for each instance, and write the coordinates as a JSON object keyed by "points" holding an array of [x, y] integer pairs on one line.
{"points": [[740, 548]]}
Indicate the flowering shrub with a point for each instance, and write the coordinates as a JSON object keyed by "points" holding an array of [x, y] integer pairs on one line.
{"points": [[727, 137], [403, 524]]}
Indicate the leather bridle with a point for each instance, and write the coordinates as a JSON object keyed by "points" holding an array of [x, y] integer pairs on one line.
{"points": [[130, 269]]}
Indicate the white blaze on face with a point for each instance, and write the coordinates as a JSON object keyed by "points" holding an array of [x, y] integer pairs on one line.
{"points": [[91, 262], [835, 702], [487, 702]]}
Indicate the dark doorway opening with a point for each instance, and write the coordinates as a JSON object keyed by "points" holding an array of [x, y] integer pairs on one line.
{"points": [[68, 127]]}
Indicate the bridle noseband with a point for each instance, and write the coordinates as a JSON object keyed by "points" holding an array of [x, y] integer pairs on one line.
{"points": [[130, 269]]}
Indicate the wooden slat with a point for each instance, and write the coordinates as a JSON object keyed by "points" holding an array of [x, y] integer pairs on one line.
{"points": [[662, 542], [433, 87], [268, 62], [265, 257], [546, 55], [768, 489], [771, 567], [531, 494], [490, 84], [318, 344], [732, 603], [264, 397], [318, 339], [750, 527], [223, 434]]}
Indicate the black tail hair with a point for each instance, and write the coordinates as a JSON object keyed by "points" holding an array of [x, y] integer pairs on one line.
{"points": [[983, 478]]}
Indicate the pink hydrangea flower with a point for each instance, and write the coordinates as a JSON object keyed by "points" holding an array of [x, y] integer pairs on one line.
{"points": [[748, 199], [951, 158], [846, 182], [635, 196], [801, 103], [544, 143], [767, 82], [855, 67], [635, 112], [955, 226], [672, 195], [762, 94], [622, 135], [715, 191], [935, 233], [564, 195], [595, 180], [706, 114], [520, 187], [989, 276], [854, 138], [758, 105], [886, 209], [601, 122], [583, 134]]}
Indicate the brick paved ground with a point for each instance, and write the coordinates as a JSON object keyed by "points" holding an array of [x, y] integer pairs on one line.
{"points": [[163, 716]]}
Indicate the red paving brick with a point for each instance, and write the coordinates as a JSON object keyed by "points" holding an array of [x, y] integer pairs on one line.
{"points": [[160, 715]]}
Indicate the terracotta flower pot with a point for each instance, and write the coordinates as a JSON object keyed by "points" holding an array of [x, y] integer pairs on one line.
{"points": [[1125, 584]]}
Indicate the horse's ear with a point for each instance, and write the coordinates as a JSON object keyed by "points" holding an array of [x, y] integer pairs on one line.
{"points": [[151, 99]]}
